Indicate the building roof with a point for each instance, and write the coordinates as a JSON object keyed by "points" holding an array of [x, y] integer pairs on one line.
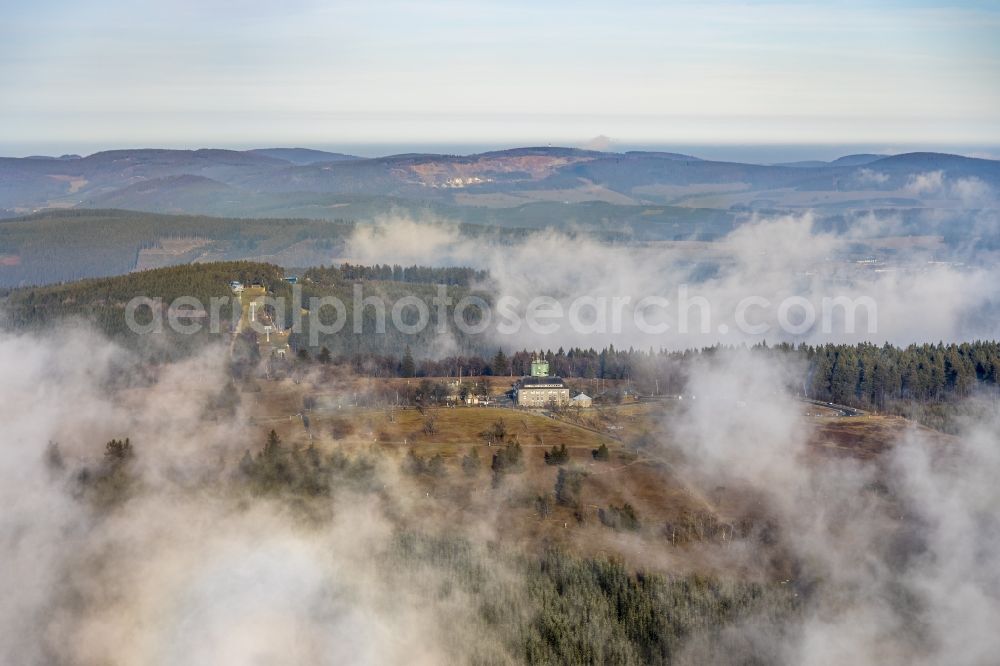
{"points": [[582, 396], [541, 381]]}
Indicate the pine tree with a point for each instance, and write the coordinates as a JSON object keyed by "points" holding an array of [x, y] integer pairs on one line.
{"points": [[407, 367], [496, 433], [601, 452], [844, 380], [559, 455], [499, 366], [471, 462], [247, 465], [435, 466], [54, 458], [507, 460], [272, 448], [568, 486], [118, 451]]}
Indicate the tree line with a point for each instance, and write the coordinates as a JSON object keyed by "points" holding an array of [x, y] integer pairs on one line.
{"points": [[864, 375], [868, 375], [453, 276]]}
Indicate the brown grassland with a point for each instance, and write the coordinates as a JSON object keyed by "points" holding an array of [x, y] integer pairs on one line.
{"points": [[684, 525]]}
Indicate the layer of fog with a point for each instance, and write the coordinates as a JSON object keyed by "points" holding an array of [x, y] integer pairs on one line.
{"points": [[183, 572], [895, 559], [895, 563], [910, 297]]}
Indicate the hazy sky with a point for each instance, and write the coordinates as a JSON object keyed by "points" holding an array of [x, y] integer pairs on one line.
{"points": [[108, 73]]}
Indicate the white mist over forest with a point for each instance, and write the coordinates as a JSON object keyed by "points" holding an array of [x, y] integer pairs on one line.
{"points": [[767, 260], [892, 559]]}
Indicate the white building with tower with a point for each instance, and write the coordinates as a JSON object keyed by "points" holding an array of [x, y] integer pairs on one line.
{"points": [[540, 389]]}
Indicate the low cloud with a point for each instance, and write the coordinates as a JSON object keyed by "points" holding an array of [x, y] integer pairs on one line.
{"points": [[970, 192], [973, 192], [769, 262], [187, 570], [892, 560], [866, 177], [929, 183]]}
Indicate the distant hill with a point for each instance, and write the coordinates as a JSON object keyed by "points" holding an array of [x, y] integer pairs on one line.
{"points": [[27, 184], [845, 161], [66, 245], [957, 165], [857, 160], [804, 164], [537, 151], [302, 155], [279, 182], [663, 155]]}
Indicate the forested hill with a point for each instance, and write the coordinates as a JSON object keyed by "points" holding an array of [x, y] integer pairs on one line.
{"points": [[102, 301]]}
